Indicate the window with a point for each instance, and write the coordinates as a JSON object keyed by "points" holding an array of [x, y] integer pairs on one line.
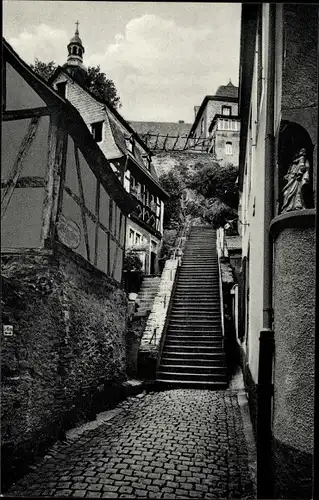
{"points": [[229, 148], [61, 88], [130, 144], [226, 110], [97, 131], [131, 237], [80, 52], [74, 51], [137, 239]]}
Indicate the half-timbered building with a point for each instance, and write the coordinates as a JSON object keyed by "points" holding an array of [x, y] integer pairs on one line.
{"points": [[64, 311], [57, 185], [128, 155]]}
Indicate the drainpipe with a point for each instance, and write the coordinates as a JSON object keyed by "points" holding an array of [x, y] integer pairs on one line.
{"points": [[315, 462], [266, 339]]}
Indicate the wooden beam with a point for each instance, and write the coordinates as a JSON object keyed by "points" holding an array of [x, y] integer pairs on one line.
{"points": [[18, 165], [117, 246], [23, 114], [109, 236], [52, 178], [97, 214], [85, 229], [175, 143], [164, 144], [89, 213], [26, 182]]}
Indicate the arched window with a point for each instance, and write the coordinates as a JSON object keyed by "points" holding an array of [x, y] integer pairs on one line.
{"points": [[80, 52], [74, 51], [229, 148]]}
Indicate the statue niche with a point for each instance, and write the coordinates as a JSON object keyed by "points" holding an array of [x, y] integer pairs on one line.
{"points": [[295, 168], [295, 191]]}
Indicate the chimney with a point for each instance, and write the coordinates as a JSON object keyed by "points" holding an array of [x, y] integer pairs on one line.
{"points": [[181, 121]]}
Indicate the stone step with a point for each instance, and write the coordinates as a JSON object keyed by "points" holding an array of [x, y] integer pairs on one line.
{"points": [[191, 384], [215, 356], [182, 361], [198, 369], [194, 339], [189, 376], [195, 344]]}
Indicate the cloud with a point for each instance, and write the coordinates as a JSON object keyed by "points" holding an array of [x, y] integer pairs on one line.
{"points": [[160, 68], [41, 42], [162, 64]]}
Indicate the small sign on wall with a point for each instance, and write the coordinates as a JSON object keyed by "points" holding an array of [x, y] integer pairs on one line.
{"points": [[69, 232], [7, 330]]}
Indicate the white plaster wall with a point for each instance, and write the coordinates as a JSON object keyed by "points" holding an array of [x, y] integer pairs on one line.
{"points": [[252, 209]]}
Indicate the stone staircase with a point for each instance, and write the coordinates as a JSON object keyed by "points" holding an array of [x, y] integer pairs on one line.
{"points": [[147, 294], [193, 353]]}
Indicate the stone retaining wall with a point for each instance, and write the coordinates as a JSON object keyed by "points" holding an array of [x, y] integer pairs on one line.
{"points": [[66, 353], [151, 339]]}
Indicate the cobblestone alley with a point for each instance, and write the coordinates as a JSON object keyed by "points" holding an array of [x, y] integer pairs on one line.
{"points": [[181, 443]]}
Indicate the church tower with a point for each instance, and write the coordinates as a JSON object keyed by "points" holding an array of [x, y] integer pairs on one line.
{"points": [[74, 65]]}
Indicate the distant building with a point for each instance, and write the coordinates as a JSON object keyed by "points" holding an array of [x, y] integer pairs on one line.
{"points": [[216, 126], [129, 156], [278, 95]]}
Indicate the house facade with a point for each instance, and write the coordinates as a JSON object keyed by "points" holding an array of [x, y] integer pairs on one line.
{"points": [[216, 126], [278, 108], [128, 155], [63, 224]]}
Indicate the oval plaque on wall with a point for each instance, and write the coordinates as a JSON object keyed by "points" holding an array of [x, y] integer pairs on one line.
{"points": [[68, 232]]}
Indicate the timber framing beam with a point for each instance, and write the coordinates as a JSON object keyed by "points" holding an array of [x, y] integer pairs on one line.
{"points": [[23, 114]]}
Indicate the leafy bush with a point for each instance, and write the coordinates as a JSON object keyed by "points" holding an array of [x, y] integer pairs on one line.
{"points": [[132, 262]]}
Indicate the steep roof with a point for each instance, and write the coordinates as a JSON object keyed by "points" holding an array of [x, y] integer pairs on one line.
{"points": [[76, 126], [117, 138], [226, 91], [163, 135]]}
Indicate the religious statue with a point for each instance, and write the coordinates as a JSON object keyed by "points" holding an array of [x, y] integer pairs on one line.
{"points": [[297, 179]]}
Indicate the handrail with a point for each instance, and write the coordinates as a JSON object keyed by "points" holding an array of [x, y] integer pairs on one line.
{"points": [[168, 313], [221, 295], [184, 232]]}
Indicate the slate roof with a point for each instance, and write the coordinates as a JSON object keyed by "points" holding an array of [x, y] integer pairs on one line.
{"points": [[228, 90], [162, 135]]}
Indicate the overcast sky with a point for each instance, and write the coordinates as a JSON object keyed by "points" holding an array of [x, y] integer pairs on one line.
{"points": [[163, 57]]}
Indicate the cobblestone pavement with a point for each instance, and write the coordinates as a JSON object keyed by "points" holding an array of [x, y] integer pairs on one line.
{"points": [[181, 443]]}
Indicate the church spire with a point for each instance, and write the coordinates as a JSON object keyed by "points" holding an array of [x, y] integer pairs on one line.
{"points": [[74, 64]]}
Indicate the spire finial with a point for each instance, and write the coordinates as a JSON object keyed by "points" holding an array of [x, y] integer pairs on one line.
{"points": [[229, 80], [77, 28]]}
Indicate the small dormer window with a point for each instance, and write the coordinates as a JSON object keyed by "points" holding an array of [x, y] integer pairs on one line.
{"points": [[96, 129], [130, 144], [226, 110], [61, 88], [147, 161]]}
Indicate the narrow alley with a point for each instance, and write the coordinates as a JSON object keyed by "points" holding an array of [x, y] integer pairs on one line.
{"points": [[182, 443]]}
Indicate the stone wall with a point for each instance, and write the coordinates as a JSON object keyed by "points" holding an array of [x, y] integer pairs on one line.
{"points": [[152, 336], [164, 161], [66, 357]]}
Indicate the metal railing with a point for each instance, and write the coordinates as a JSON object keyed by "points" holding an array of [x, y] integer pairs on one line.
{"points": [[220, 247]]}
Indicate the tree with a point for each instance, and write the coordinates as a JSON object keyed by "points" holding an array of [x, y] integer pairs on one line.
{"points": [[173, 185], [217, 181], [43, 69], [103, 88], [95, 82]]}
